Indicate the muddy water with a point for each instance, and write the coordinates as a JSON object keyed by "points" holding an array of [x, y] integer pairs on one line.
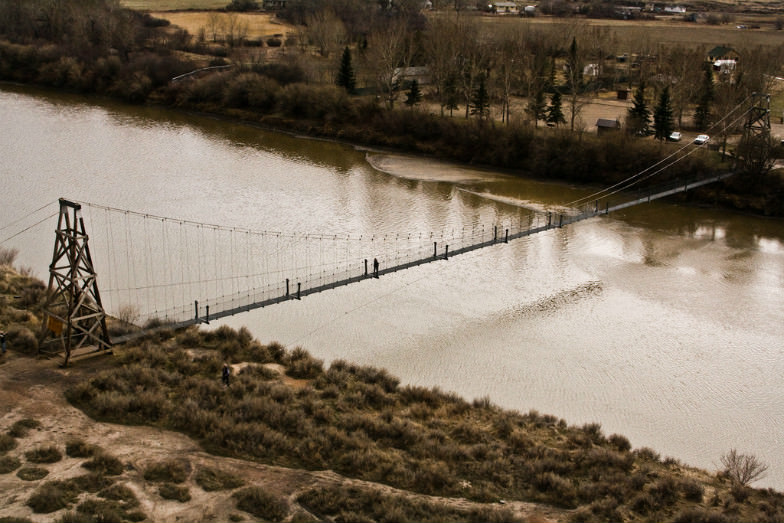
{"points": [[660, 322]]}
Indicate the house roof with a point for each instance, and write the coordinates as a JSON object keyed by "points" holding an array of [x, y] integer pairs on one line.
{"points": [[720, 51], [606, 122]]}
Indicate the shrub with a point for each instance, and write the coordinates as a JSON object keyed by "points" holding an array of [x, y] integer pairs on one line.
{"points": [[698, 515], [170, 471], [15, 519], [211, 479], [692, 490], [48, 454], [77, 448], [256, 501], [7, 442], [51, 496], [22, 340], [664, 491], [621, 443], [103, 463], [8, 256], [175, 492], [88, 483], [274, 42], [20, 428], [121, 493], [101, 511], [9, 464], [32, 473]]}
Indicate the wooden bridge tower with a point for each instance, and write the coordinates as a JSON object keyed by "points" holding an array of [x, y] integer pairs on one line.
{"points": [[755, 148], [74, 316]]}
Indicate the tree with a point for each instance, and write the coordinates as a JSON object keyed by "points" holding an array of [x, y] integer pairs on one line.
{"points": [[414, 95], [639, 116], [662, 116], [574, 78], [743, 468], [536, 106], [555, 115], [346, 78], [480, 102], [702, 112], [451, 95]]}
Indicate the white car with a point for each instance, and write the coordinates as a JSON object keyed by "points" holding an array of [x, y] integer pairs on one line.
{"points": [[701, 139], [674, 137]]}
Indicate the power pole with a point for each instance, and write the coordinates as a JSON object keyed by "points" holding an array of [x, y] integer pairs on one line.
{"points": [[73, 315], [754, 149]]}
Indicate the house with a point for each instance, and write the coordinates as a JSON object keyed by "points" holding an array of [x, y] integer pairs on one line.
{"points": [[675, 10], [721, 52], [403, 76], [505, 8], [605, 125], [274, 4], [724, 66], [591, 70]]}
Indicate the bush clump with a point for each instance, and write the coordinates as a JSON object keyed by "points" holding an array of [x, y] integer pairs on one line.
{"points": [[175, 492], [212, 479], [103, 463], [169, 471], [261, 504], [9, 464], [7, 442], [78, 448], [48, 454], [32, 473], [20, 428], [51, 496]]}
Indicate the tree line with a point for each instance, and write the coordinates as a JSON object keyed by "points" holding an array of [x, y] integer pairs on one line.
{"points": [[473, 68]]}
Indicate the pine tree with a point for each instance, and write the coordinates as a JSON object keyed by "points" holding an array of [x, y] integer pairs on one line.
{"points": [[555, 114], [414, 95], [480, 103], [346, 78], [536, 106], [639, 115], [662, 116], [450, 94], [702, 112]]}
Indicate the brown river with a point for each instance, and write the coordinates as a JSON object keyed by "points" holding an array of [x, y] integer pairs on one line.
{"points": [[661, 322]]}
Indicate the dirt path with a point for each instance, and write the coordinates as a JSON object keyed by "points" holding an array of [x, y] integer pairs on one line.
{"points": [[35, 389]]}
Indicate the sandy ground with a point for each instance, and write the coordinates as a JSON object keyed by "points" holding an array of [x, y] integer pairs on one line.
{"points": [[34, 389]]}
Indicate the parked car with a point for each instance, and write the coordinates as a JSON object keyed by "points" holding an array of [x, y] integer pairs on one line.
{"points": [[701, 139], [674, 137]]}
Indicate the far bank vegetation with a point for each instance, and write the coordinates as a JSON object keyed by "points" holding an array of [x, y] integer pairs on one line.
{"points": [[486, 97]]}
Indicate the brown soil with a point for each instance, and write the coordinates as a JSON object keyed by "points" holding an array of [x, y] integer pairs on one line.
{"points": [[31, 388]]}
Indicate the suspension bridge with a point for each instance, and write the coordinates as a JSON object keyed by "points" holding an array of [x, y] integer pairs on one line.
{"points": [[164, 272]]}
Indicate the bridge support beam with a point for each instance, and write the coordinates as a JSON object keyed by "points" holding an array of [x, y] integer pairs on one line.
{"points": [[73, 313]]}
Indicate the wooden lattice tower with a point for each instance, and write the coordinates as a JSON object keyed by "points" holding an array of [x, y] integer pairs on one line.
{"points": [[755, 147], [74, 315]]}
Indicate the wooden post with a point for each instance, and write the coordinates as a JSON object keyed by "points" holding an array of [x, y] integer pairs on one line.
{"points": [[495, 233], [366, 273], [435, 249], [446, 252], [506, 236], [207, 315], [287, 286], [196, 310], [299, 289]]}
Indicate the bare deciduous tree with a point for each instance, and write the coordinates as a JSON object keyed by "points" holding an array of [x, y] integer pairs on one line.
{"points": [[743, 468]]}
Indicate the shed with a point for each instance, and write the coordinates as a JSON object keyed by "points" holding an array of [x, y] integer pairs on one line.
{"points": [[505, 8], [604, 125]]}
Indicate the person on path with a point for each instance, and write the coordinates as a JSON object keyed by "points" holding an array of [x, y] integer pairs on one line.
{"points": [[375, 267], [225, 374]]}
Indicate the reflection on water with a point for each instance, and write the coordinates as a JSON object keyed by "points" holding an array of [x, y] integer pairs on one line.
{"points": [[660, 322]]}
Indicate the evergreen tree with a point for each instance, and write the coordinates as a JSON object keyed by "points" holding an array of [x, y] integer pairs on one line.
{"points": [[536, 106], [554, 113], [639, 116], [414, 95], [662, 116], [480, 102], [346, 78], [450, 94], [702, 112]]}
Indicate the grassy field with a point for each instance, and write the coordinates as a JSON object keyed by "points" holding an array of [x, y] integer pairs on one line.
{"points": [[173, 5], [260, 25], [669, 32]]}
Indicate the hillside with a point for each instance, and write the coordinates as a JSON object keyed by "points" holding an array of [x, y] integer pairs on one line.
{"points": [[159, 438]]}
